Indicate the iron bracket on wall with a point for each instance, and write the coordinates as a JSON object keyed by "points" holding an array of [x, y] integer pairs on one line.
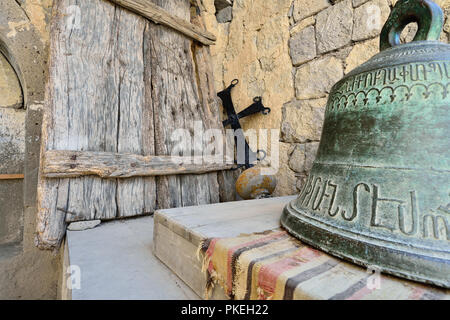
{"points": [[248, 157]]}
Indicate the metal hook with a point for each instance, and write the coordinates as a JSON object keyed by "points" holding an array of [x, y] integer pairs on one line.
{"points": [[263, 157]]}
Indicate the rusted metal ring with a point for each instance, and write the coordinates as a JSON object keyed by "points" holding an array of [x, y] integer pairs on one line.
{"points": [[261, 158]]}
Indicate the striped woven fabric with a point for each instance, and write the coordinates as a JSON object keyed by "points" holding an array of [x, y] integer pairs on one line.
{"points": [[274, 265]]}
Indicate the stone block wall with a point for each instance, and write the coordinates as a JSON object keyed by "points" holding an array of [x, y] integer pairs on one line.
{"points": [[291, 52]]}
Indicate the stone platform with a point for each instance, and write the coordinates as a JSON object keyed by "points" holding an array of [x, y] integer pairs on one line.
{"points": [[179, 232]]}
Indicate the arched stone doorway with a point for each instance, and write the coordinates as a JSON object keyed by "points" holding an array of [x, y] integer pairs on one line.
{"points": [[23, 70], [12, 152]]}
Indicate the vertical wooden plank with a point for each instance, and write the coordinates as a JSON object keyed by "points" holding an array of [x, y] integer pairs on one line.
{"points": [[85, 111], [176, 105], [225, 190], [131, 193], [148, 126]]}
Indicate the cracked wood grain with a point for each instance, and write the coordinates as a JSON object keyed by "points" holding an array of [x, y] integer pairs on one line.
{"points": [[157, 14], [73, 164]]}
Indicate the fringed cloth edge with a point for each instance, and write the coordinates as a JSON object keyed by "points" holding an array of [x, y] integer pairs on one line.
{"points": [[274, 265]]}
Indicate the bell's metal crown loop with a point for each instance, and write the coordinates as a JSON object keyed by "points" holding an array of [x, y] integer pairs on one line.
{"points": [[427, 14]]}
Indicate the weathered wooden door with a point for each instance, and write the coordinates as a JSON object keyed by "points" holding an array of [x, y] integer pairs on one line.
{"points": [[118, 86]]}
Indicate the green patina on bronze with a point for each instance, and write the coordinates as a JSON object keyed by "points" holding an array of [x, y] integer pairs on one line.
{"points": [[379, 190]]}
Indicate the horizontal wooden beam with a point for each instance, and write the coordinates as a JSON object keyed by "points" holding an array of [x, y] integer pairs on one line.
{"points": [[155, 13], [14, 176], [71, 164]]}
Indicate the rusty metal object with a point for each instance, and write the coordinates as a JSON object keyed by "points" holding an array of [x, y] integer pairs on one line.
{"points": [[245, 156], [252, 184], [379, 190]]}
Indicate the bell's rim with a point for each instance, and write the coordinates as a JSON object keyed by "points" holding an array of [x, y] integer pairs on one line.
{"points": [[428, 269], [371, 237]]}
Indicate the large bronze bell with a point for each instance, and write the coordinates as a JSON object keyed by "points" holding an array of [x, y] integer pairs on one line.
{"points": [[379, 190]]}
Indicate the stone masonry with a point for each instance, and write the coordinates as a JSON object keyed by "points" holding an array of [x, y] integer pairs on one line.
{"points": [[291, 52]]}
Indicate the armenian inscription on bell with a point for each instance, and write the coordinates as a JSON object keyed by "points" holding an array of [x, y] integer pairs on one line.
{"points": [[323, 196], [393, 84]]}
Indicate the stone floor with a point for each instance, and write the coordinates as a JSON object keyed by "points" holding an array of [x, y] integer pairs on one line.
{"points": [[116, 262], [9, 250]]}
